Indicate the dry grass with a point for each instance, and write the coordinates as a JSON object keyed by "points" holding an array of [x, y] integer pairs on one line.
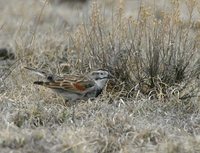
{"points": [[153, 103]]}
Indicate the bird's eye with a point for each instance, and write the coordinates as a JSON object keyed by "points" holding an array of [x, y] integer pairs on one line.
{"points": [[101, 73]]}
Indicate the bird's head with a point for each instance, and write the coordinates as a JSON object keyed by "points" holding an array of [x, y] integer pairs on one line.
{"points": [[100, 77]]}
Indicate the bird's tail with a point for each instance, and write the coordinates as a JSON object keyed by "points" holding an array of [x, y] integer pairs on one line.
{"points": [[41, 83], [49, 77], [41, 73]]}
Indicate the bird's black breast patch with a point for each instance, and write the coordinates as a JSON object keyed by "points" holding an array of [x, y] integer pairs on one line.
{"points": [[98, 92], [93, 94]]}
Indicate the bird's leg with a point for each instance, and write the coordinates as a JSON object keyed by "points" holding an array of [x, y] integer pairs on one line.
{"points": [[73, 105], [70, 104], [73, 112]]}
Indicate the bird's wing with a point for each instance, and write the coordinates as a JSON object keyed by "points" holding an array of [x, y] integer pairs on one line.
{"points": [[70, 84]]}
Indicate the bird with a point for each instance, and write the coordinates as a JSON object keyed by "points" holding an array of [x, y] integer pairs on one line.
{"points": [[75, 87]]}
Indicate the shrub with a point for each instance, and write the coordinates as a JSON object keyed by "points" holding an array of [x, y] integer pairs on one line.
{"points": [[151, 52]]}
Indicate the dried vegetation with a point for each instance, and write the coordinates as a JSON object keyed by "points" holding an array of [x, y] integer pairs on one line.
{"points": [[153, 103]]}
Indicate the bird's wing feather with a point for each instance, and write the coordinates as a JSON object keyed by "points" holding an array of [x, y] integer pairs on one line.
{"points": [[69, 84]]}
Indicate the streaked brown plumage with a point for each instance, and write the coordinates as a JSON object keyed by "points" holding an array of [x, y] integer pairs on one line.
{"points": [[75, 87]]}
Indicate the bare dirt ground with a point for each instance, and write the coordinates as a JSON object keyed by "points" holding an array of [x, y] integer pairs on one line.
{"points": [[78, 37]]}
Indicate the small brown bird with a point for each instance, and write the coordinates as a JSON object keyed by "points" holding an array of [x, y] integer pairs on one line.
{"points": [[75, 87]]}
